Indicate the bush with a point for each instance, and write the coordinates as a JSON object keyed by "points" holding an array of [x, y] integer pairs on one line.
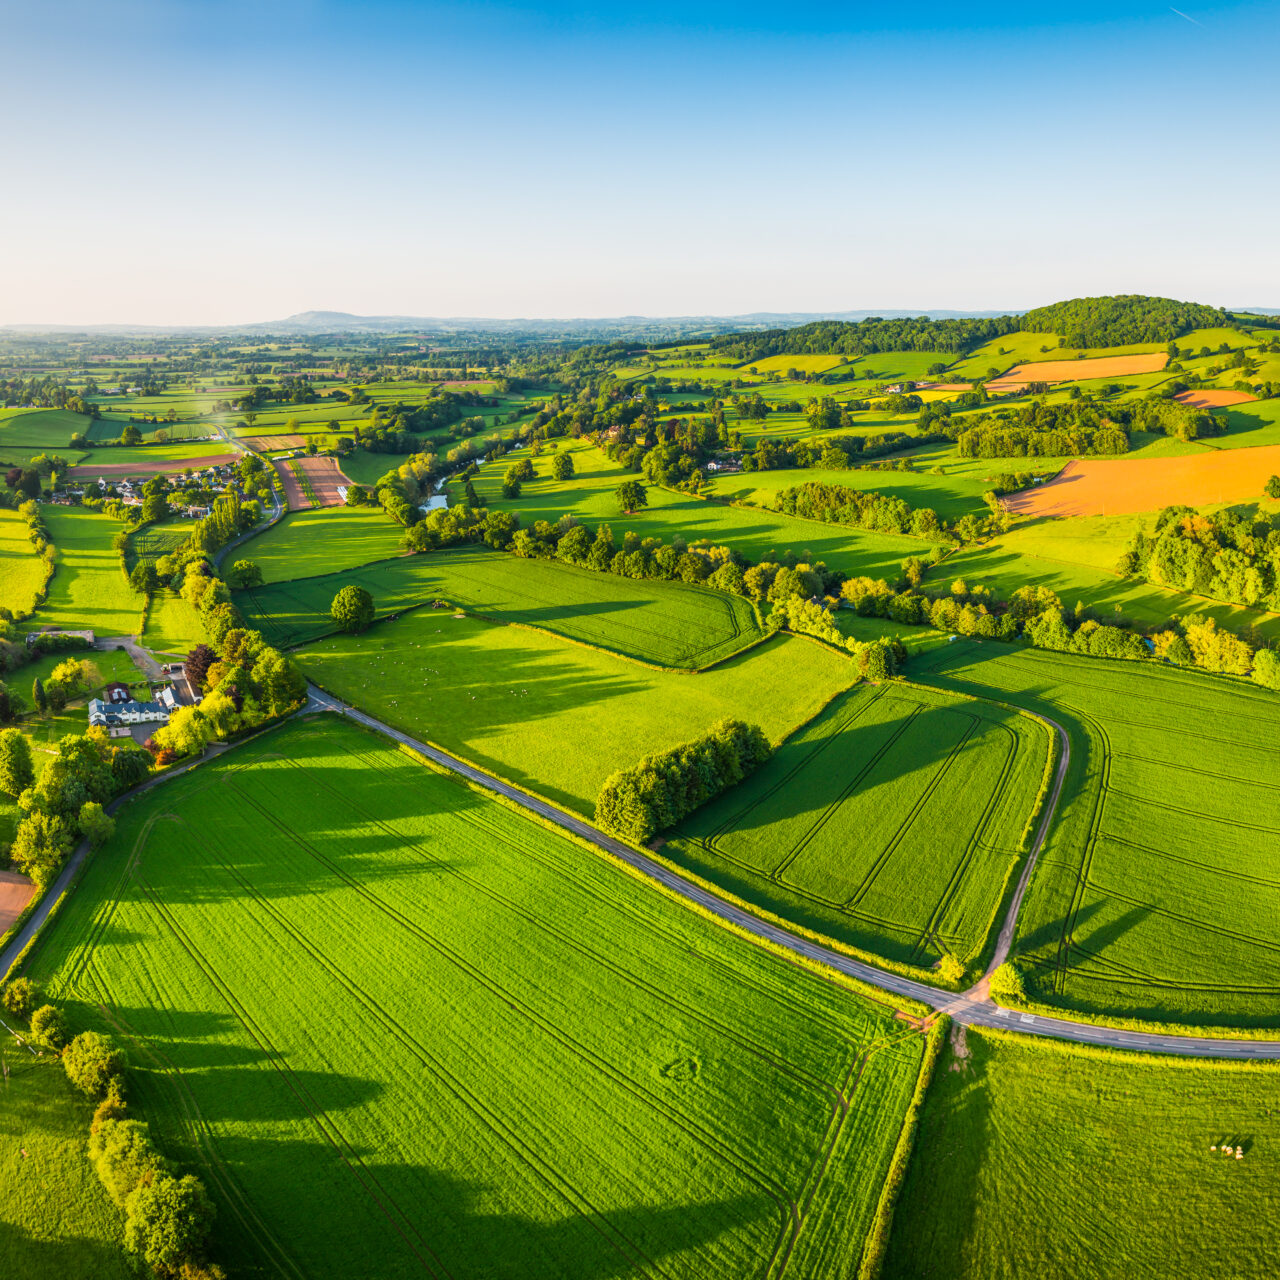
{"points": [[49, 1026], [168, 1221], [1006, 984], [91, 1062], [20, 997], [123, 1155]]}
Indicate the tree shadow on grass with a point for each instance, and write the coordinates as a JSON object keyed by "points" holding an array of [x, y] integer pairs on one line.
{"points": [[350, 1212], [26, 1255]]}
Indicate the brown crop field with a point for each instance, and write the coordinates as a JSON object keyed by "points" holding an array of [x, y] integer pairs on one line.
{"points": [[15, 892], [264, 443], [1213, 397], [322, 474], [1123, 486], [1076, 370]]}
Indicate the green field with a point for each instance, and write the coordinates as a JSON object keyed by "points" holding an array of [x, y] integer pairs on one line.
{"points": [[155, 540], [555, 717], [1035, 1159], [670, 624], [88, 587], [39, 430], [307, 543], [56, 1220], [891, 823], [402, 1029], [950, 496], [21, 570], [755, 533], [1156, 894], [1076, 558], [173, 626]]}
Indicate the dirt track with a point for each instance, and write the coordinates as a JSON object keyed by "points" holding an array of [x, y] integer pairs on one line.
{"points": [[15, 892], [1121, 486], [152, 468], [1075, 371]]}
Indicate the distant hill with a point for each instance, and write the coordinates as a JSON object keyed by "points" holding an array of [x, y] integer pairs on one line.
{"points": [[1122, 319]]}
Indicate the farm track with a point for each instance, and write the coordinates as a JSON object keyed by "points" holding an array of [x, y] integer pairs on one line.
{"points": [[971, 1007]]}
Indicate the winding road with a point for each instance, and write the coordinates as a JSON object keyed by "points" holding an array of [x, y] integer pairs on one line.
{"points": [[972, 1007]]}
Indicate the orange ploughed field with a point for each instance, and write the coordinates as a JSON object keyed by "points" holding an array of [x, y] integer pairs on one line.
{"points": [[1114, 487], [324, 476], [265, 444], [15, 892], [166, 465], [1076, 370], [1213, 397]]}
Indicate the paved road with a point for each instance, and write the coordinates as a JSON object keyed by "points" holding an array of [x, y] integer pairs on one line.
{"points": [[972, 1007]]}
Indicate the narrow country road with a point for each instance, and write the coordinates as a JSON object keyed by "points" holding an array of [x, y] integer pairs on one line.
{"points": [[973, 1007]]}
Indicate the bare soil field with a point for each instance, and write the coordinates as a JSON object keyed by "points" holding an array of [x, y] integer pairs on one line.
{"points": [[151, 468], [324, 475], [264, 443], [1076, 370], [1213, 397], [15, 892], [944, 386], [1119, 487]]}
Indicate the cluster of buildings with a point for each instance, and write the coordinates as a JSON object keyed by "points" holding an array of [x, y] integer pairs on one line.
{"points": [[118, 711]]}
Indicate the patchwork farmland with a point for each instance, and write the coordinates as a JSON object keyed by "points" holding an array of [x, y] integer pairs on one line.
{"points": [[669, 624], [1156, 891], [525, 1035]]}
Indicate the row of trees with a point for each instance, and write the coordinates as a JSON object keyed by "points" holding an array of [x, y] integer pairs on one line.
{"points": [[639, 802], [168, 1216], [862, 509]]}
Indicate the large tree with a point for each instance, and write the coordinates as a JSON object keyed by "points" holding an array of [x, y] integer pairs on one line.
{"points": [[16, 770], [352, 609], [631, 496]]}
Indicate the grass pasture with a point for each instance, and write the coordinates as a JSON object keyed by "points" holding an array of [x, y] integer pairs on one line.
{"points": [[39, 430], [88, 588], [21, 570], [889, 823], [173, 626], [1156, 894], [56, 1220], [1036, 1159], [153, 541], [554, 717], [756, 532], [306, 543], [669, 624], [402, 1029]]}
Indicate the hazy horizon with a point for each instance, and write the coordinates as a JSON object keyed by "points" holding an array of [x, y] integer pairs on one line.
{"points": [[192, 165]]}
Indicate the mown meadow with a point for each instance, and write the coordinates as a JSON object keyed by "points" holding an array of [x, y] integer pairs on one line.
{"points": [[554, 717], [401, 1029], [56, 1219], [22, 572], [307, 543], [891, 823], [670, 624], [88, 587], [1037, 1159], [1156, 893]]}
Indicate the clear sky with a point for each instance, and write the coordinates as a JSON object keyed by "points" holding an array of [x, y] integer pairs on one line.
{"points": [[215, 161]]}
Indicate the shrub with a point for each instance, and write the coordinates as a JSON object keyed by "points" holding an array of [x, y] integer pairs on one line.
{"points": [[20, 997], [91, 1062], [168, 1221], [16, 770], [123, 1155], [49, 1026], [1006, 984]]}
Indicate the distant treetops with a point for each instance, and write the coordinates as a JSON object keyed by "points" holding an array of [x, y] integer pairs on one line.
{"points": [[1080, 323]]}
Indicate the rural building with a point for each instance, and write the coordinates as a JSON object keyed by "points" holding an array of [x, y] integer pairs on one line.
{"points": [[53, 631], [111, 715], [117, 691]]}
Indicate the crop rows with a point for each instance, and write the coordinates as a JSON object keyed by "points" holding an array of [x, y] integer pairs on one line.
{"points": [[473, 1045], [1157, 893], [892, 822]]}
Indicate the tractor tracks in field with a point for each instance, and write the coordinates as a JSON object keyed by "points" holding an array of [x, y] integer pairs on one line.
{"points": [[973, 1007]]}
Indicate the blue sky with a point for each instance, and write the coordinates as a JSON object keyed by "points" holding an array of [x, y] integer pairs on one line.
{"points": [[210, 162]]}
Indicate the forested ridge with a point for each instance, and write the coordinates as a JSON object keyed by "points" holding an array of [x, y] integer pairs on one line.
{"points": [[1122, 319]]}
